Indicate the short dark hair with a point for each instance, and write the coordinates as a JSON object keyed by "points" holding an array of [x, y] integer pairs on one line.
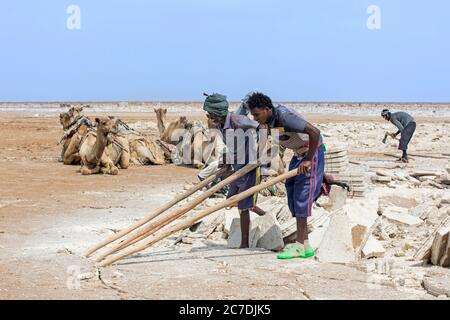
{"points": [[260, 101], [386, 113]]}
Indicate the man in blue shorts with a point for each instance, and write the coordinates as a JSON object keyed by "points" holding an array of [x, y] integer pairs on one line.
{"points": [[303, 189]]}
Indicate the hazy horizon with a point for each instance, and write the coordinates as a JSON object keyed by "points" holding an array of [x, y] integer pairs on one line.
{"points": [[230, 101]]}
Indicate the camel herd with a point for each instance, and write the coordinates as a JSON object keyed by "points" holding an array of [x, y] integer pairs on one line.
{"points": [[96, 145], [107, 144]]}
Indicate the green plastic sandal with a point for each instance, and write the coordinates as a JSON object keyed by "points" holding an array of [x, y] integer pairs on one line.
{"points": [[292, 252], [309, 252]]}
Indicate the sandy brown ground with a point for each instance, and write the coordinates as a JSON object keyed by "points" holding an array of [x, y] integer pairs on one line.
{"points": [[50, 214]]}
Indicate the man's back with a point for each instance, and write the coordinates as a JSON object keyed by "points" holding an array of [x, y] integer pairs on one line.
{"points": [[401, 119], [242, 130]]}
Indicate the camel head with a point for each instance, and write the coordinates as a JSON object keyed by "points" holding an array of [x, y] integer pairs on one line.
{"points": [[106, 125], [182, 122], [161, 114], [76, 111], [65, 120]]}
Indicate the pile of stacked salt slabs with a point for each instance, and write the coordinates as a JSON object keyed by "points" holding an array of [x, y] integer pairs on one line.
{"points": [[336, 159], [337, 165]]}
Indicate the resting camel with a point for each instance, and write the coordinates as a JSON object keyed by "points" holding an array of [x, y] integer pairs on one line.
{"points": [[104, 150], [201, 145], [144, 150], [71, 154], [75, 126], [67, 119], [166, 133]]}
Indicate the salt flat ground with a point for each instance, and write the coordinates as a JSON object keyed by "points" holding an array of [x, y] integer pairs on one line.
{"points": [[50, 214]]}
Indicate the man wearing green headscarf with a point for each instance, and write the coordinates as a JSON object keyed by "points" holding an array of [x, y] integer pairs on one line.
{"points": [[216, 106]]}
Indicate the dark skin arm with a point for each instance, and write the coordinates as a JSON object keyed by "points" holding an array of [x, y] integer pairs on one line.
{"points": [[314, 138], [394, 135]]}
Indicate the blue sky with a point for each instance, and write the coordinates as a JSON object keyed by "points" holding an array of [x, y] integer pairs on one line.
{"points": [[169, 50]]}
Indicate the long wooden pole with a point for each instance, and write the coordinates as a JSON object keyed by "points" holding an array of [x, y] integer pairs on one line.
{"points": [[169, 217], [155, 213], [190, 221], [124, 244]]}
